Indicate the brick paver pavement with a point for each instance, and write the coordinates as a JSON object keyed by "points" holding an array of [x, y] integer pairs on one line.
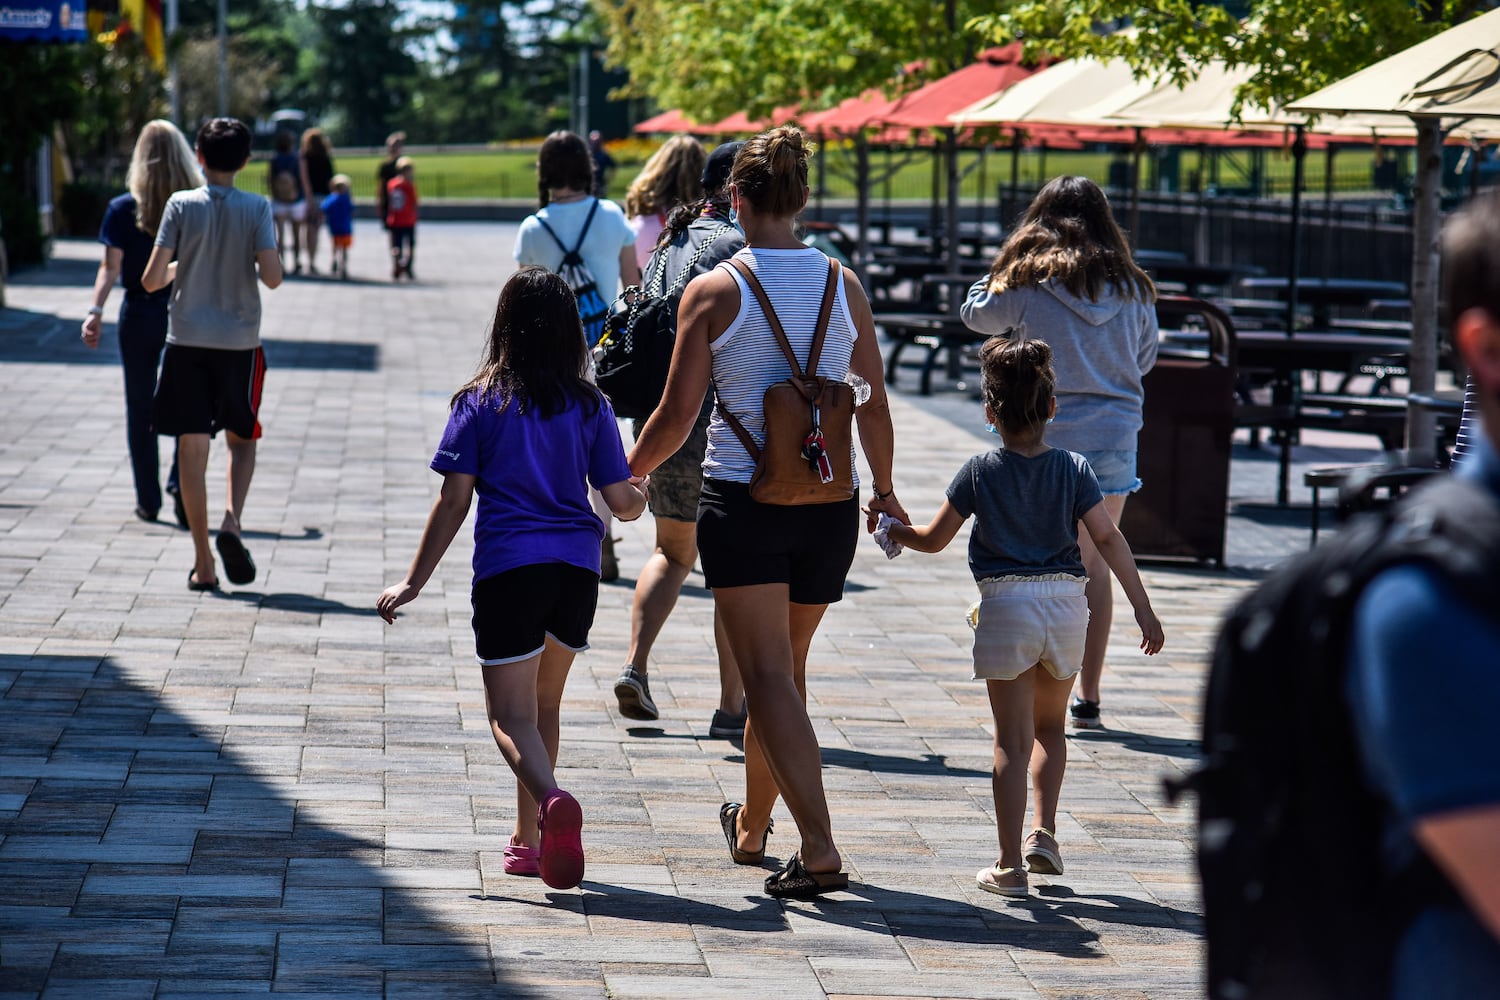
{"points": [[269, 790]]}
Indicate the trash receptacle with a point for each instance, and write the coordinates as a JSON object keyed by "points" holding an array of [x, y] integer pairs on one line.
{"points": [[1183, 462]]}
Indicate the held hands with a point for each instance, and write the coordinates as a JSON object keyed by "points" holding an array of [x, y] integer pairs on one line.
{"points": [[642, 485], [393, 597], [890, 505], [1151, 633], [92, 326]]}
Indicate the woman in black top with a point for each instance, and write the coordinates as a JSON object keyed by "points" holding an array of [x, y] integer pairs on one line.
{"points": [[317, 173], [161, 164]]}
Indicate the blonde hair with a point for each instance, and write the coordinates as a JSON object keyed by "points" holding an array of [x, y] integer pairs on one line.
{"points": [[403, 162], [673, 176], [162, 163], [770, 170], [339, 181], [316, 143]]}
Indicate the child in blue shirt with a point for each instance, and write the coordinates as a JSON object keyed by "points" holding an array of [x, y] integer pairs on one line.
{"points": [[529, 434], [338, 209], [1028, 499]]}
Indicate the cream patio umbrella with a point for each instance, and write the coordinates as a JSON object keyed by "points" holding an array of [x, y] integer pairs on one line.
{"points": [[1072, 92], [1451, 80]]}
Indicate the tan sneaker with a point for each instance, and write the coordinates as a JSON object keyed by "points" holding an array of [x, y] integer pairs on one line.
{"points": [[1009, 882], [1041, 853]]}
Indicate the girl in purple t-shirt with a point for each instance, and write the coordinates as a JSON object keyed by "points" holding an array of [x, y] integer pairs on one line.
{"points": [[529, 434]]}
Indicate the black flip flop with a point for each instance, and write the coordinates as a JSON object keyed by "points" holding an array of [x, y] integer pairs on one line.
{"points": [[201, 587], [238, 565], [796, 882], [728, 818]]}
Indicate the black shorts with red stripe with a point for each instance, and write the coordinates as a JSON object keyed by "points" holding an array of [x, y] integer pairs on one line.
{"points": [[202, 390]]}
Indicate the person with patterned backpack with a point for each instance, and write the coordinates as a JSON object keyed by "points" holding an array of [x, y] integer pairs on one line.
{"points": [[572, 229]]}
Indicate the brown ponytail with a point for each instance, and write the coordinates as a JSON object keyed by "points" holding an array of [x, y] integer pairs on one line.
{"points": [[1019, 382], [770, 171]]}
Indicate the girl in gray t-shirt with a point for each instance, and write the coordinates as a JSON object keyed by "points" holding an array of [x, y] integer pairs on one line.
{"points": [[1028, 499]]}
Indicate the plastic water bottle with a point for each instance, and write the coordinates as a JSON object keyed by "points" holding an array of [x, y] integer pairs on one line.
{"points": [[861, 388]]}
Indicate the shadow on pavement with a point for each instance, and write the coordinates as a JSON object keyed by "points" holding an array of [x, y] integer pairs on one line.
{"points": [[305, 603], [42, 338], [931, 763], [321, 355], [143, 856], [953, 921], [1161, 746]]}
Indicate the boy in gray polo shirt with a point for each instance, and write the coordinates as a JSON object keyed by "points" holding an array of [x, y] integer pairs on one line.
{"points": [[214, 368]]}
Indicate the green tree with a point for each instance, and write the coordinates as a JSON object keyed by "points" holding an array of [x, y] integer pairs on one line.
{"points": [[48, 77], [1295, 46], [365, 69], [712, 60]]}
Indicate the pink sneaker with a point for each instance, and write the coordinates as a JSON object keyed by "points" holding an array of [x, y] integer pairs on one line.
{"points": [[521, 860], [560, 819]]}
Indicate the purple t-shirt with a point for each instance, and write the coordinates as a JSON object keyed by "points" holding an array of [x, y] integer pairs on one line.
{"points": [[533, 475]]}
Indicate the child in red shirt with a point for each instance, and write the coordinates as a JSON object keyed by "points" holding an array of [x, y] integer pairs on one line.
{"points": [[401, 218]]}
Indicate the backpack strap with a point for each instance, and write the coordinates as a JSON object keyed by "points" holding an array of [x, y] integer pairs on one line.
{"points": [[571, 256], [825, 311], [820, 330]]}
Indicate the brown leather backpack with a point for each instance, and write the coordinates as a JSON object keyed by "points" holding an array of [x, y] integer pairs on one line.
{"points": [[808, 455]]}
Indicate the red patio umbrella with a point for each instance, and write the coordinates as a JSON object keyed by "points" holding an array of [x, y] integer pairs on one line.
{"points": [[739, 123], [667, 121]]}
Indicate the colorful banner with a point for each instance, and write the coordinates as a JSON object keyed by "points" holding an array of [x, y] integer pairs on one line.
{"points": [[43, 21], [145, 19]]}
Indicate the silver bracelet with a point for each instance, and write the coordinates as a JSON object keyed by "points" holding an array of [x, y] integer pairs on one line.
{"points": [[96, 310]]}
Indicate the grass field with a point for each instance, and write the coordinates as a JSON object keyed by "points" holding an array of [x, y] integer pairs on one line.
{"points": [[898, 175]]}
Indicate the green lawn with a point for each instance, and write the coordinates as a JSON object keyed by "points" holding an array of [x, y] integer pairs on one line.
{"points": [[510, 173]]}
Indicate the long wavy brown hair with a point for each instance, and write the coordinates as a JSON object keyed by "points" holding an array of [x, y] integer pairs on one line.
{"points": [[162, 163], [1070, 236], [672, 176]]}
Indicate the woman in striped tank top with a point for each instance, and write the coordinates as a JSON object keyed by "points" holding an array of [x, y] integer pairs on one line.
{"points": [[773, 570]]}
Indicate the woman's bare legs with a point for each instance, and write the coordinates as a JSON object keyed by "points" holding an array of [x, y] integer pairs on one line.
{"points": [[1049, 755], [523, 700], [656, 591], [781, 750], [1012, 706], [761, 784], [1101, 597], [731, 688], [658, 585]]}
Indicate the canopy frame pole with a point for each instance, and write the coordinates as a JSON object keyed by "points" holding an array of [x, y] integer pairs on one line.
{"points": [[1421, 422], [1286, 391]]}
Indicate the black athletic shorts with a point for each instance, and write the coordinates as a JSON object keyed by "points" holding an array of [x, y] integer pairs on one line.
{"points": [[515, 611], [742, 543], [202, 390], [403, 236]]}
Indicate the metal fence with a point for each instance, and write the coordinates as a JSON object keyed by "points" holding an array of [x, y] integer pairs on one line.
{"points": [[1338, 239]]}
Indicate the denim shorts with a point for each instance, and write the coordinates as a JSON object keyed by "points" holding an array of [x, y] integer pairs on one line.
{"points": [[1115, 471]]}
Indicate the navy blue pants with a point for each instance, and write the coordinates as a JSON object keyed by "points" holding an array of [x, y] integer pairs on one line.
{"points": [[143, 334]]}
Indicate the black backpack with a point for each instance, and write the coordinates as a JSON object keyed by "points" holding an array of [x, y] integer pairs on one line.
{"points": [[1299, 896], [592, 306], [638, 338]]}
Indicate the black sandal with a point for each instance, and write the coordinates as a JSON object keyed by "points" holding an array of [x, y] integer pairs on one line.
{"points": [[201, 587], [796, 882], [729, 814], [238, 565]]}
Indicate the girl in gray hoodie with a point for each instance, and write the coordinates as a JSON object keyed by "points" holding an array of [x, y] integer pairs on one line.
{"points": [[1066, 275]]}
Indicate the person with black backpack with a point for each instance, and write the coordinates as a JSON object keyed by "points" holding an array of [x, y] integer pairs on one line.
{"points": [[1349, 796], [697, 238], [586, 240]]}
